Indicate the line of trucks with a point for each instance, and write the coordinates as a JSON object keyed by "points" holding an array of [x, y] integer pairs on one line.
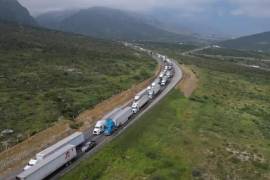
{"points": [[68, 149]]}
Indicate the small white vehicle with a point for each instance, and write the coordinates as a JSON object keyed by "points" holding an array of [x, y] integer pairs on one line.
{"points": [[30, 164], [99, 127], [140, 95]]}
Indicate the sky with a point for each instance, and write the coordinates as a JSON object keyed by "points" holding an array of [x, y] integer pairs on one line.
{"points": [[238, 16]]}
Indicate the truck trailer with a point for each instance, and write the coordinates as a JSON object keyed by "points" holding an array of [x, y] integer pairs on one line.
{"points": [[49, 165], [75, 139], [119, 119], [123, 116], [137, 105]]}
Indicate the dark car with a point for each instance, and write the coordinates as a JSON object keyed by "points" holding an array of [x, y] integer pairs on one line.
{"points": [[88, 146]]}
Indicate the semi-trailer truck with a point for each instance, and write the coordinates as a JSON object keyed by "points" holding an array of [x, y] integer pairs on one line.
{"points": [[75, 139], [137, 105], [47, 166], [155, 88], [100, 125], [119, 119]]}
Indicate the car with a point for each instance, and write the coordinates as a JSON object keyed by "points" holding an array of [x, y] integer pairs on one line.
{"points": [[88, 146]]}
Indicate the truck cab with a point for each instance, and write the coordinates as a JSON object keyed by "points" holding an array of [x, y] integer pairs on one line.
{"points": [[99, 127], [109, 127], [164, 81], [135, 107]]}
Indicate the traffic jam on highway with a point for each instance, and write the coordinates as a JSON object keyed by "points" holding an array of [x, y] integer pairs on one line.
{"points": [[74, 146]]}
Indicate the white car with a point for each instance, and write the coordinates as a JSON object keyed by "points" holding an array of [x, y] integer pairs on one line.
{"points": [[30, 164]]}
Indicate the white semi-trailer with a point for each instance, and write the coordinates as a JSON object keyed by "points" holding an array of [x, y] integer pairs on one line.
{"points": [[75, 139], [50, 164], [136, 106], [122, 116]]}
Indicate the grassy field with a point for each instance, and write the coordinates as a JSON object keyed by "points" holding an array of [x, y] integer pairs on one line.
{"points": [[46, 76], [221, 132], [235, 53], [166, 48]]}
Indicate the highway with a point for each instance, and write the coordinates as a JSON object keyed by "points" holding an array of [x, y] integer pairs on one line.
{"points": [[102, 139]]}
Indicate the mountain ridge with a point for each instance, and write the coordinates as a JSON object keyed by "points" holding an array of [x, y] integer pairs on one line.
{"points": [[108, 23], [13, 11], [259, 42]]}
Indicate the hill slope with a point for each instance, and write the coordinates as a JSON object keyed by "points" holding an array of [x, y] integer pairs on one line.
{"points": [[112, 24], [254, 42], [47, 76], [13, 11]]}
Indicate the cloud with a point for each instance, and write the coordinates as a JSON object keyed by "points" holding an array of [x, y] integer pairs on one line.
{"points": [[185, 6], [252, 8]]}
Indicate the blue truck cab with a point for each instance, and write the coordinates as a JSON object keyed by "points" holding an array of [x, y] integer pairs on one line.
{"points": [[109, 127]]}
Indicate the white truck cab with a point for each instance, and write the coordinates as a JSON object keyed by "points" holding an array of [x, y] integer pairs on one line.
{"points": [[99, 127], [164, 81], [135, 107]]}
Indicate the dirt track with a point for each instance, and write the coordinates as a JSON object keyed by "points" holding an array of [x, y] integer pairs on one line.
{"points": [[190, 81]]}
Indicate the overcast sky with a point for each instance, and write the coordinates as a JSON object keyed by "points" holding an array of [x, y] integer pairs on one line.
{"points": [[232, 17], [251, 8]]}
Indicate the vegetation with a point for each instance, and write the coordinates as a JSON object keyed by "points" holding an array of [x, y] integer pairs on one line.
{"points": [[259, 41], [234, 53], [47, 76], [220, 132], [169, 48]]}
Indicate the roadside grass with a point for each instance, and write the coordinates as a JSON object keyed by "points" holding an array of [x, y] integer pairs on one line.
{"points": [[220, 132], [46, 76]]}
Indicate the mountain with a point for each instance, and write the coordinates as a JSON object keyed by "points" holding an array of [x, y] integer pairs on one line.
{"points": [[52, 19], [13, 11], [114, 24], [259, 42]]}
